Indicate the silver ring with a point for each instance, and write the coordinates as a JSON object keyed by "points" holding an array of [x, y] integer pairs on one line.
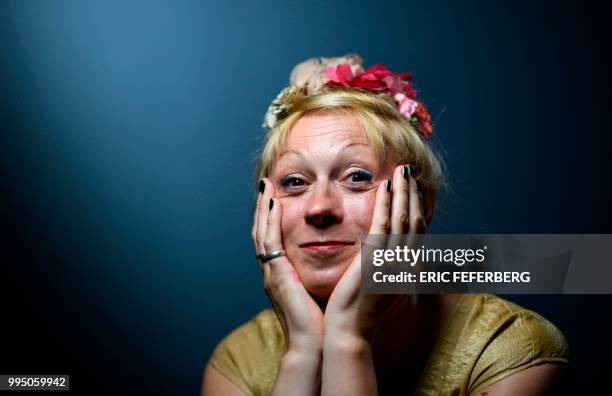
{"points": [[265, 257]]}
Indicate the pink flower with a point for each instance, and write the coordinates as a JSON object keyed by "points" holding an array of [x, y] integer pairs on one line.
{"points": [[424, 123], [400, 83], [407, 105], [381, 80], [340, 74]]}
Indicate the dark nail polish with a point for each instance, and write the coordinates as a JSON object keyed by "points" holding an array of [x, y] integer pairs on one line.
{"points": [[388, 185], [405, 173], [412, 170], [262, 186], [271, 203]]}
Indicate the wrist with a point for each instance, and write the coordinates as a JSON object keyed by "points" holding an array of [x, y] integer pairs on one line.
{"points": [[350, 330], [305, 345], [346, 341], [301, 358]]}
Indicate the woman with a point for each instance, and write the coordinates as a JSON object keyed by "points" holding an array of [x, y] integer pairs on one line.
{"points": [[346, 156]]}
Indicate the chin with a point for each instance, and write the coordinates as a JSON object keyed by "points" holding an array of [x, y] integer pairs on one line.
{"points": [[320, 283]]}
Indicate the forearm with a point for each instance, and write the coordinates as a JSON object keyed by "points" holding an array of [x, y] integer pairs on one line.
{"points": [[348, 366], [299, 374]]}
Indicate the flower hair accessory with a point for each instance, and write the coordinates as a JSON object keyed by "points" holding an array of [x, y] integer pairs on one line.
{"points": [[347, 72]]}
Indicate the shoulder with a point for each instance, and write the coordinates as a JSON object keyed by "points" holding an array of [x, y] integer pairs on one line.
{"points": [[249, 356], [516, 339], [261, 331], [518, 331]]}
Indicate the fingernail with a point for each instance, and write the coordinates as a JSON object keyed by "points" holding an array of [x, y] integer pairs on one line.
{"points": [[388, 185], [412, 169], [405, 173], [271, 203], [262, 186]]}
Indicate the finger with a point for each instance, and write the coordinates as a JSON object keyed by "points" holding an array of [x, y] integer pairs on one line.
{"points": [[417, 217], [256, 216], [379, 228], [262, 221], [381, 217], [399, 211], [400, 215], [280, 269], [272, 239]]}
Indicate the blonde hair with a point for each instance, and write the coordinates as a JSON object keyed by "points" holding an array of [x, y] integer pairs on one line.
{"points": [[388, 131]]}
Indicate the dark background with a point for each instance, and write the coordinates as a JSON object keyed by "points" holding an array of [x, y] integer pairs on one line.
{"points": [[129, 131]]}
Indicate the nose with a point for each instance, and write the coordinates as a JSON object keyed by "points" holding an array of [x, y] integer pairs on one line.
{"points": [[325, 206]]}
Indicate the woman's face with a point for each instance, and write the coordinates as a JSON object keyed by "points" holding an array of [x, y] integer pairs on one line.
{"points": [[325, 179]]}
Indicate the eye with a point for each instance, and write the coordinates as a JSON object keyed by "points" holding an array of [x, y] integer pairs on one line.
{"points": [[359, 176], [292, 181]]}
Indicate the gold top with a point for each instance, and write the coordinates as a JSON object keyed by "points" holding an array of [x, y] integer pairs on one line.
{"points": [[485, 339]]}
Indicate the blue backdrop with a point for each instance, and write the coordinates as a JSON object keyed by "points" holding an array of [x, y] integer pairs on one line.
{"points": [[130, 129]]}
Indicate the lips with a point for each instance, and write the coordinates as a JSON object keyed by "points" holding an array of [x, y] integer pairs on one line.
{"points": [[326, 243], [326, 248]]}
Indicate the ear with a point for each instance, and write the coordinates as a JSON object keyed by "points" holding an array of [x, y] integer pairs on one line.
{"points": [[429, 203]]}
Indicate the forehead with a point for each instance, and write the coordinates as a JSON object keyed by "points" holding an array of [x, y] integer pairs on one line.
{"points": [[325, 130]]}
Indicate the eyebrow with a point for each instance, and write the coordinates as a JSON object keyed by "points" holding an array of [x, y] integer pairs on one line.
{"points": [[342, 150]]}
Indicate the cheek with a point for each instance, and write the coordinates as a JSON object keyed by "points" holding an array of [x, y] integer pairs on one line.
{"points": [[292, 213], [361, 208]]}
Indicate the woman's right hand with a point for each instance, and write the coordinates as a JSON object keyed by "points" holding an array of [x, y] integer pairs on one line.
{"points": [[299, 315]]}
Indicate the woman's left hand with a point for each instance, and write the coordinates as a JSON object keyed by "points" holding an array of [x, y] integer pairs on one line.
{"points": [[351, 314]]}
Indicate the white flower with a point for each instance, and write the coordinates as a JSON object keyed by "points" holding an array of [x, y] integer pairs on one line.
{"points": [[302, 72], [281, 105], [306, 78]]}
